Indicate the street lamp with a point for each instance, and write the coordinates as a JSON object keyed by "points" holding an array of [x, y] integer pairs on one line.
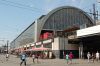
{"points": [[7, 45]]}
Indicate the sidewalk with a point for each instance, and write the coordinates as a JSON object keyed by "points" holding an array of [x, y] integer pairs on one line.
{"points": [[14, 61]]}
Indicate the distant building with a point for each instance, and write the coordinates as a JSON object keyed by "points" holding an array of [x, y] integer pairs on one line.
{"points": [[3, 49]]}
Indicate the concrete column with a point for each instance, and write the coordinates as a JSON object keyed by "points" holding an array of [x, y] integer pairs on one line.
{"points": [[81, 51], [59, 46], [35, 36], [55, 47]]}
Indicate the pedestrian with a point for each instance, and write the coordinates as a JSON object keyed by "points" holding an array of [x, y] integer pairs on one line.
{"points": [[93, 57], [33, 57], [71, 56], [7, 57], [88, 56], [37, 56], [97, 56], [67, 58], [23, 58]]}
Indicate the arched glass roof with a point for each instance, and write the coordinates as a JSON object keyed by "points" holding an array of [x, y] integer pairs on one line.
{"points": [[65, 17]]}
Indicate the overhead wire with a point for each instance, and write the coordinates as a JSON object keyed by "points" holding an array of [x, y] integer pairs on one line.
{"points": [[23, 6], [18, 5]]}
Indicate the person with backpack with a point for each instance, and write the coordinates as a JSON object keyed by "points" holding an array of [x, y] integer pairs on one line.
{"points": [[23, 59]]}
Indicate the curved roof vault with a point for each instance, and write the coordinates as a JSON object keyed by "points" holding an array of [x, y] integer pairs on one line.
{"points": [[44, 20]]}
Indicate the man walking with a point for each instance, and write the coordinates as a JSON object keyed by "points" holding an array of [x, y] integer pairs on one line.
{"points": [[23, 59], [88, 56], [97, 56]]}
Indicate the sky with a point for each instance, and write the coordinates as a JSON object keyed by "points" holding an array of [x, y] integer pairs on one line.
{"points": [[17, 15]]}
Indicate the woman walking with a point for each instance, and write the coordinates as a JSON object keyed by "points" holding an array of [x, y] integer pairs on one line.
{"points": [[71, 57]]}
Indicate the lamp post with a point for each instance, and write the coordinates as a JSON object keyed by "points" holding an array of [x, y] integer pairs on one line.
{"points": [[7, 45]]}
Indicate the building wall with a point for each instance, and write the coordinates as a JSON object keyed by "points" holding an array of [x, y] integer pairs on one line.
{"points": [[61, 44], [72, 47]]}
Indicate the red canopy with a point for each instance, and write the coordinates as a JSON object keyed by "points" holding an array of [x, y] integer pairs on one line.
{"points": [[40, 49]]}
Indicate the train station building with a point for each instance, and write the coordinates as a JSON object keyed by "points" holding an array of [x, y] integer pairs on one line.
{"points": [[60, 31]]}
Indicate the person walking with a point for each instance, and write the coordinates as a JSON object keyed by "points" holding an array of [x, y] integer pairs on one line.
{"points": [[93, 57], [97, 56], [23, 59], [71, 56], [88, 56], [37, 57], [33, 57], [67, 58], [7, 57]]}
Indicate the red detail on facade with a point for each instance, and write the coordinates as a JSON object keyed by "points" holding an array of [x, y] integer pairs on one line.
{"points": [[45, 35]]}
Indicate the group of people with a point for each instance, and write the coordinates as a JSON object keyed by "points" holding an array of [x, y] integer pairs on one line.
{"points": [[69, 57], [23, 56], [93, 56]]}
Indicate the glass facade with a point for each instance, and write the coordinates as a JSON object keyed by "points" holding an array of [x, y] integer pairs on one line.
{"points": [[66, 18], [27, 36]]}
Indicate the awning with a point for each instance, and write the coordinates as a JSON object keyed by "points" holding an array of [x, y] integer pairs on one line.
{"points": [[39, 49]]}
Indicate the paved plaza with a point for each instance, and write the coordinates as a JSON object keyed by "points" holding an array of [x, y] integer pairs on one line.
{"points": [[14, 61]]}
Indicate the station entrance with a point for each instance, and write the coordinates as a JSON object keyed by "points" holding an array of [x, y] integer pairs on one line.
{"points": [[90, 44]]}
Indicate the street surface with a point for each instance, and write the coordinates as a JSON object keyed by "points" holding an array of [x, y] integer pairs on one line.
{"points": [[14, 61]]}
